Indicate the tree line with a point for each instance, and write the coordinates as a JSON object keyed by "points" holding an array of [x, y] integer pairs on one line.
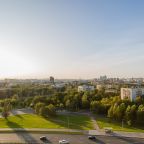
{"points": [[46, 100]]}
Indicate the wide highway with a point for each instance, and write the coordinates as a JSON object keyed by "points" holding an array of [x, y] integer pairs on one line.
{"points": [[30, 138]]}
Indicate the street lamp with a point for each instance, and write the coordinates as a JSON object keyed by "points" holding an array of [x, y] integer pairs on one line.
{"points": [[68, 121], [122, 123]]}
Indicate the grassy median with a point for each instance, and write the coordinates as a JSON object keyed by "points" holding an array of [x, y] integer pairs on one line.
{"points": [[34, 121]]}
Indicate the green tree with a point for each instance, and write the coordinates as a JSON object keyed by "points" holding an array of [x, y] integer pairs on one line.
{"points": [[110, 112], [133, 113], [121, 111], [115, 111], [68, 104], [38, 99], [49, 110], [85, 102], [128, 115], [38, 106], [140, 114], [138, 100], [61, 106], [6, 109], [95, 106]]}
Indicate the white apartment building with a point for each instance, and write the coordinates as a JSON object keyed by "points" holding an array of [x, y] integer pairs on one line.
{"points": [[131, 93], [85, 88]]}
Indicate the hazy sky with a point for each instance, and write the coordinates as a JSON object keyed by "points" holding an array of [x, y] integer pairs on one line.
{"points": [[71, 38]]}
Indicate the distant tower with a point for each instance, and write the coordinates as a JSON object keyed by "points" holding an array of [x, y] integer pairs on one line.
{"points": [[52, 79]]}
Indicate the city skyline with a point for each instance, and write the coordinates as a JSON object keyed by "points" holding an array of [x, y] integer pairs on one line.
{"points": [[71, 39]]}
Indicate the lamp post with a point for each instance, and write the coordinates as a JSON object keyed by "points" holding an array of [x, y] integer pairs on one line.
{"points": [[122, 123], [68, 121]]}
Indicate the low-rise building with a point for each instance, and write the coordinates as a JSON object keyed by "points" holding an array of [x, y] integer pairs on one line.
{"points": [[131, 93], [85, 88], [111, 91], [58, 86], [100, 86]]}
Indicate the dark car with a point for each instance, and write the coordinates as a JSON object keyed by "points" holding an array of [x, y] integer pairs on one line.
{"points": [[92, 137], [43, 138]]}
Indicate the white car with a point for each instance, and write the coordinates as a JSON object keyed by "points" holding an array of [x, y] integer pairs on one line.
{"points": [[63, 142]]}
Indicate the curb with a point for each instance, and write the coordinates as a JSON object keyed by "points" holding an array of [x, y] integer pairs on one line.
{"points": [[42, 131]]}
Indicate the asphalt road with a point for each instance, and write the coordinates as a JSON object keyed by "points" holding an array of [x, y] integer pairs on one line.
{"points": [[73, 139]]}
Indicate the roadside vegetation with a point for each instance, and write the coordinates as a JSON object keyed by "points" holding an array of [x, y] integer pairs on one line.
{"points": [[105, 122]]}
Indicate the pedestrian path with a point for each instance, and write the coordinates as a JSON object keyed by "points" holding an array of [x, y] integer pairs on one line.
{"points": [[96, 127]]}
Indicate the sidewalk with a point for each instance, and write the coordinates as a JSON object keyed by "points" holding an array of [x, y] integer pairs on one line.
{"points": [[117, 134], [94, 122]]}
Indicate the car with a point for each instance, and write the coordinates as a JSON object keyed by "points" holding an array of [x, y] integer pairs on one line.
{"points": [[63, 142], [108, 131], [91, 137], [43, 138]]}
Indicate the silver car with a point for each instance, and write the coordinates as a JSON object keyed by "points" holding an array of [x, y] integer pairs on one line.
{"points": [[63, 142]]}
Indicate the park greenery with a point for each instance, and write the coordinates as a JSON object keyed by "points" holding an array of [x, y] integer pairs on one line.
{"points": [[47, 100], [35, 121], [105, 122]]}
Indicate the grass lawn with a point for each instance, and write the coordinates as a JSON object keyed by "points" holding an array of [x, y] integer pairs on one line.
{"points": [[35, 121], [77, 121], [105, 122]]}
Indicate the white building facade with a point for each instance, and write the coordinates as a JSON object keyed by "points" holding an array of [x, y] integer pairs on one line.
{"points": [[131, 93], [85, 88]]}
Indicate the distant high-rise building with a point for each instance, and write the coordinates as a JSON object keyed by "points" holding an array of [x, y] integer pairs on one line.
{"points": [[52, 79], [103, 78]]}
